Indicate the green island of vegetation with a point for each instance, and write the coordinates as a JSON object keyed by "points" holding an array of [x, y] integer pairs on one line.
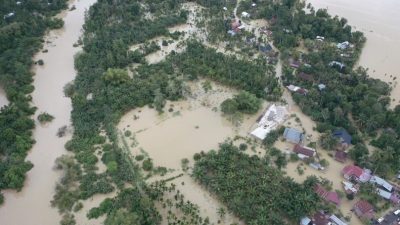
{"points": [[21, 36]]}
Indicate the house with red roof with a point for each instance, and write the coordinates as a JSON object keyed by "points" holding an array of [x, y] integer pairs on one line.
{"points": [[364, 210], [353, 172], [329, 196], [303, 151]]}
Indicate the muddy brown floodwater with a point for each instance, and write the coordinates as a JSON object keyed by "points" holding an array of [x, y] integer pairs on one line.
{"points": [[379, 20], [32, 206], [195, 125]]}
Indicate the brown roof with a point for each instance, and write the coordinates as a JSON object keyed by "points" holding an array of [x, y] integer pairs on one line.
{"points": [[320, 218], [304, 150], [305, 76], [364, 207], [341, 156]]}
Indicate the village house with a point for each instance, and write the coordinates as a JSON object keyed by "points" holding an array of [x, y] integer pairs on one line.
{"points": [[245, 14], [381, 183], [355, 173], [344, 138], [321, 87], [236, 26], [292, 135], [364, 210], [343, 45], [269, 121], [329, 196], [392, 218], [304, 152], [295, 64], [340, 65], [297, 89], [265, 48], [350, 188], [8, 15], [320, 38], [341, 156], [320, 218], [383, 193], [305, 76], [336, 221]]}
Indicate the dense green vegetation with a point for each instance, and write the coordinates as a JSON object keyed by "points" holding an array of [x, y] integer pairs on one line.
{"points": [[45, 117], [253, 189], [21, 36], [244, 102]]}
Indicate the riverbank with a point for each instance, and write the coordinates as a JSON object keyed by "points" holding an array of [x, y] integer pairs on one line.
{"points": [[379, 22], [32, 204]]}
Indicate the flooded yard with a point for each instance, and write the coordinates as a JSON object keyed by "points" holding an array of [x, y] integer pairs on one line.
{"points": [[194, 125]]}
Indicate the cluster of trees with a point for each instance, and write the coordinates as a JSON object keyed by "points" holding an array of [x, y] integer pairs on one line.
{"points": [[243, 102], [255, 76], [255, 191], [21, 36]]}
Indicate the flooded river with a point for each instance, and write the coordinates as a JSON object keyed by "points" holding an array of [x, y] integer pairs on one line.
{"points": [[31, 206], [379, 20]]}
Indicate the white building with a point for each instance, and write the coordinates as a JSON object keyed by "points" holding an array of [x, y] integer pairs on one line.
{"points": [[245, 14], [271, 119]]}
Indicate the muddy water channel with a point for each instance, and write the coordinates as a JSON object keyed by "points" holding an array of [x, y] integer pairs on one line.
{"points": [[32, 204], [379, 20]]}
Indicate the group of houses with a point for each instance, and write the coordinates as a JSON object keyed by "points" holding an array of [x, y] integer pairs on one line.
{"points": [[321, 218], [354, 176], [392, 218], [236, 27]]}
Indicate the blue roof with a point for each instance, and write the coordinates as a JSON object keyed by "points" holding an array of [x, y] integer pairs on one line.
{"points": [[293, 135], [343, 135]]}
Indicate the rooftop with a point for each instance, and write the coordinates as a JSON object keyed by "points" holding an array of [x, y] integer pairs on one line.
{"points": [[293, 135], [343, 136], [303, 150]]}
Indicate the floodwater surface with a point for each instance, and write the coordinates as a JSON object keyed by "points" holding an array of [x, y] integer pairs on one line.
{"points": [[379, 21], [32, 204]]}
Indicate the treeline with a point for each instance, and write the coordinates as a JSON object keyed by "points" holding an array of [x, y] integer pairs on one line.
{"points": [[253, 76], [22, 27], [254, 190]]}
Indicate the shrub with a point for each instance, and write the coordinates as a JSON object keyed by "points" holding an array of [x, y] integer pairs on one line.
{"points": [[45, 117], [147, 165], [139, 157]]}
